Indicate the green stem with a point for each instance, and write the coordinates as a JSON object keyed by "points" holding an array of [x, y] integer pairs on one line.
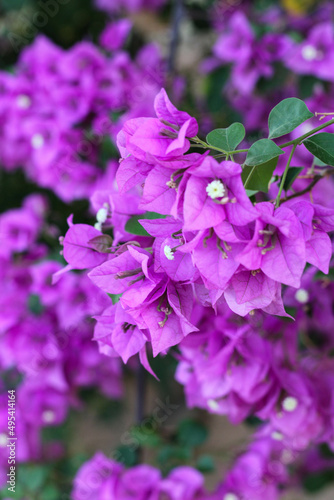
{"points": [[294, 142], [284, 176], [302, 137], [208, 146]]}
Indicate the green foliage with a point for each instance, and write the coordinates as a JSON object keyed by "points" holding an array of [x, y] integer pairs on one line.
{"points": [[317, 481], [133, 225], [146, 436], [115, 297], [191, 433], [172, 455], [258, 178], [227, 138], [261, 152], [205, 464], [322, 147], [215, 83], [286, 116], [35, 305], [292, 175], [126, 455]]}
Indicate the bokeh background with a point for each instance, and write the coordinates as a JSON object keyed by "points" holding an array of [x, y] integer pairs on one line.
{"points": [[72, 71]]}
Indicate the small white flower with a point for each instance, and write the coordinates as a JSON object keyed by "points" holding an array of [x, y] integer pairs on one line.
{"points": [[309, 53], [302, 296], [23, 101], [3, 440], [230, 496], [48, 416], [290, 403], [215, 189], [98, 226], [278, 436], [102, 215], [213, 405], [168, 252], [37, 141]]}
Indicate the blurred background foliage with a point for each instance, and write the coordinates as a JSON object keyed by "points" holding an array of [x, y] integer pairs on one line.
{"points": [[183, 439]]}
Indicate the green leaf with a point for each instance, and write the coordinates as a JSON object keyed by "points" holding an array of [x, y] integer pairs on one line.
{"points": [[257, 178], [35, 305], [227, 138], [317, 481], [34, 476], [145, 436], [292, 175], [115, 297], [126, 455], [192, 433], [286, 116], [251, 192], [171, 456], [205, 463], [134, 227], [262, 151], [50, 492], [321, 146]]}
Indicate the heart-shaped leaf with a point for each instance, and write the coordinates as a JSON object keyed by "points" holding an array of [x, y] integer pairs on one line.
{"points": [[286, 116], [227, 138], [322, 147], [257, 178], [262, 151]]}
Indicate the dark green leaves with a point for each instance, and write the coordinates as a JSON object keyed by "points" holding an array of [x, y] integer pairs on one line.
{"points": [[292, 175], [133, 226], [227, 138], [286, 116], [192, 433], [257, 178], [35, 305], [262, 151], [321, 146]]}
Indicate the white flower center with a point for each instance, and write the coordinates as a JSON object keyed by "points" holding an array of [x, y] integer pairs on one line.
{"points": [[23, 101], [213, 405], [48, 416], [3, 440], [290, 403], [168, 252], [102, 215], [37, 141], [278, 436], [230, 496], [215, 189], [302, 296], [309, 53]]}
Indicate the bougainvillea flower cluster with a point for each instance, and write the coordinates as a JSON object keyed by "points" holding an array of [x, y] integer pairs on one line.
{"points": [[61, 106], [40, 335]]}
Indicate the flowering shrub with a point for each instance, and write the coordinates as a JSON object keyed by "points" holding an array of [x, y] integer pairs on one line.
{"points": [[201, 251], [61, 108], [213, 257]]}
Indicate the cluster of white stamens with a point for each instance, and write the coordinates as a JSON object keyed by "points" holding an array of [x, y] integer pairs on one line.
{"points": [[309, 53], [215, 189], [302, 296], [23, 101], [101, 216], [290, 403], [37, 141], [168, 252]]}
